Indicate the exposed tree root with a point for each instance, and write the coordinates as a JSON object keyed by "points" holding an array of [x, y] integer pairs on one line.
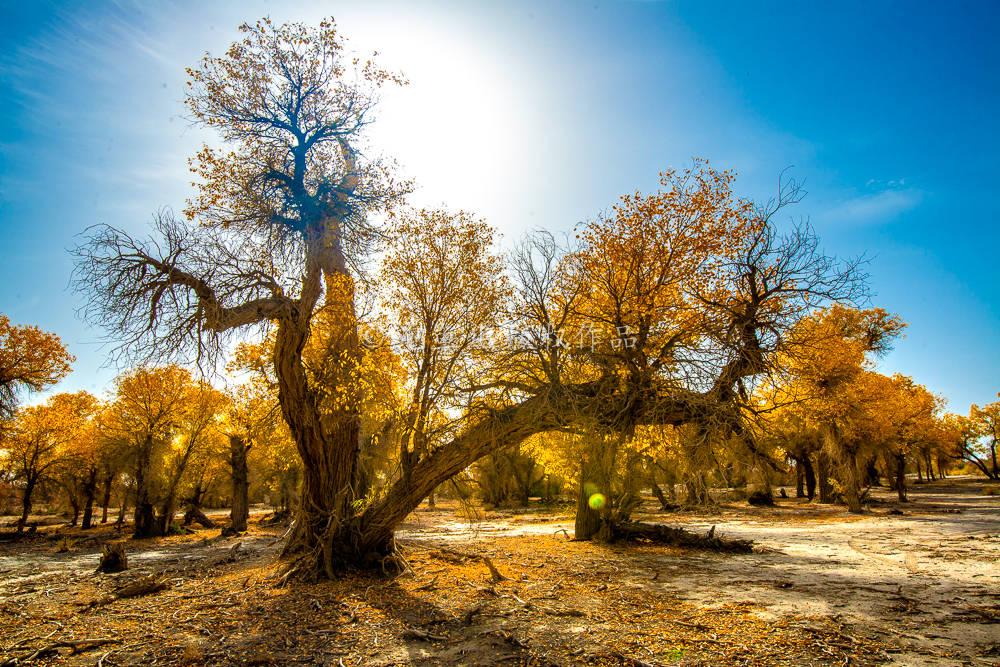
{"points": [[679, 537], [334, 553]]}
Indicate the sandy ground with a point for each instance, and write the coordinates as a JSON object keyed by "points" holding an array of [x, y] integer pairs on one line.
{"points": [[822, 587], [928, 578]]}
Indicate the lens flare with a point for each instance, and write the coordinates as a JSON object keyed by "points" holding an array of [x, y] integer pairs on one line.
{"points": [[596, 501]]}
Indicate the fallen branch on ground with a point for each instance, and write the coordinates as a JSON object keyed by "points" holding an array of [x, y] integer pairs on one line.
{"points": [[660, 534], [458, 558]]}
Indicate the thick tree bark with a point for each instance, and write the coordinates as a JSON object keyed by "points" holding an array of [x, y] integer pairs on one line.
{"points": [[810, 475], [823, 478], [588, 520], [145, 524], [900, 477], [238, 449], [851, 482], [326, 524]]}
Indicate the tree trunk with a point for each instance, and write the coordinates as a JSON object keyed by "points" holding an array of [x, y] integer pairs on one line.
{"points": [[89, 494], [326, 529], [871, 473], [74, 503], [594, 494], [901, 477], [800, 491], [29, 489], [588, 520], [144, 521], [106, 498], [658, 493], [195, 515], [993, 454], [823, 478], [851, 482], [238, 449], [810, 475]]}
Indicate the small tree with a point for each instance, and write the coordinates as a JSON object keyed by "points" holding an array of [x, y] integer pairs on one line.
{"points": [[443, 289], [30, 360], [979, 447], [42, 440]]}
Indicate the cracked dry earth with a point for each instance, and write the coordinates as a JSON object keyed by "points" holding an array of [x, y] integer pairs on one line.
{"points": [[822, 588]]}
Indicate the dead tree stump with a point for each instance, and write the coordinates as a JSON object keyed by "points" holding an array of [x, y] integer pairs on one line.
{"points": [[113, 558]]}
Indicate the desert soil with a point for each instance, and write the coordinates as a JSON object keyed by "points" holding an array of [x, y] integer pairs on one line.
{"points": [[822, 587]]}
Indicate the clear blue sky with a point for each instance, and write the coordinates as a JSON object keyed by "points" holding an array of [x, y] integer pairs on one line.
{"points": [[541, 114]]}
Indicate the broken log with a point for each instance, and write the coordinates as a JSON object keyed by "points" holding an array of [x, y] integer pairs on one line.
{"points": [[143, 586], [678, 537], [195, 515]]}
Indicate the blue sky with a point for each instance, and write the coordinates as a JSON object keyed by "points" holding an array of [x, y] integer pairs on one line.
{"points": [[542, 114]]}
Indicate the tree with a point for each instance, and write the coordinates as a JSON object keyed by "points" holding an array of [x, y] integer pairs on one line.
{"points": [[283, 229], [146, 412], [41, 440], [30, 360], [828, 385], [283, 220], [443, 287], [250, 419], [979, 445], [202, 407]]}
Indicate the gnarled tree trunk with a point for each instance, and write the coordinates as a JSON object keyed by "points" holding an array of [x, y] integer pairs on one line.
{"points": [[145, 524], [238, 449]]}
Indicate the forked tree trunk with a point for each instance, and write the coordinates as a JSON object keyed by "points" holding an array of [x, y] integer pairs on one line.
{"points": [[238, 449]]}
